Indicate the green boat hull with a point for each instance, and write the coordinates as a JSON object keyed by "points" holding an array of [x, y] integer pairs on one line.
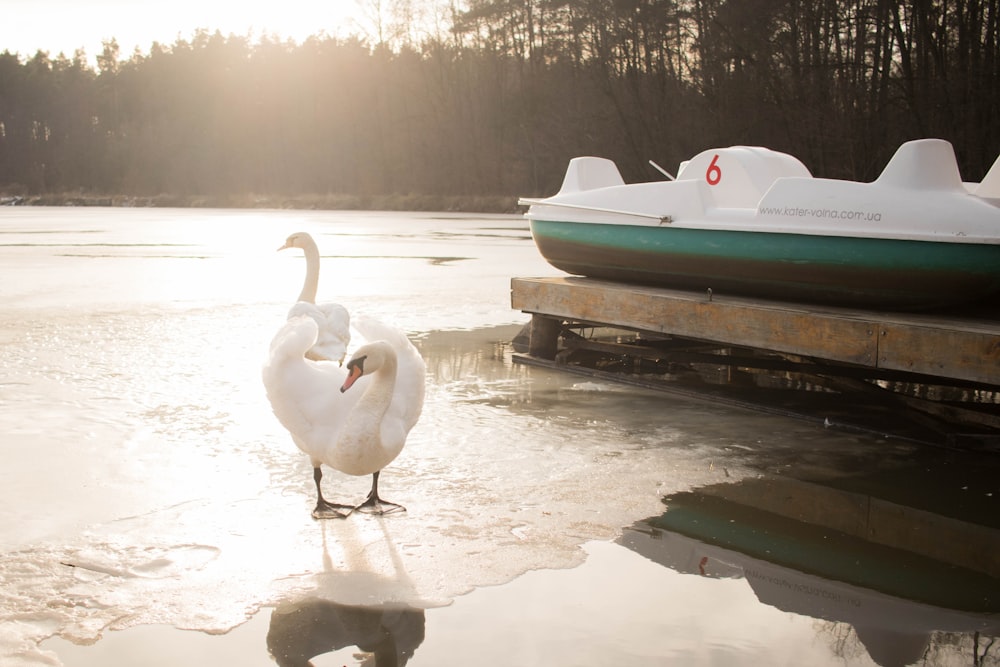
{"points": [[871, 272]]}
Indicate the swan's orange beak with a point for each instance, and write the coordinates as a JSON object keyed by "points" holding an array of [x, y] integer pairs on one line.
{"points": [[284, 247], [354, 373]]}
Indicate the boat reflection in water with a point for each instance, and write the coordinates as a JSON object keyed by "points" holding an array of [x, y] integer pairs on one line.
{"points": [[898, 575], [313, 626]]}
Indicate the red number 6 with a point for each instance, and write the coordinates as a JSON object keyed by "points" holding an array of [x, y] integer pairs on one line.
{"points": [[714, 174]]}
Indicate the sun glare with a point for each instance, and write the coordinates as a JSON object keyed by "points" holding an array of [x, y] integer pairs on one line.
{"points": [[138, 24]]}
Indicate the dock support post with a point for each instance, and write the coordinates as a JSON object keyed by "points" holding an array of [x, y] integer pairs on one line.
{"points": [[543, 341]]}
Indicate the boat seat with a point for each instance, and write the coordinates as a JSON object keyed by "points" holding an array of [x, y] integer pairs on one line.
{"points": [[738, 176], [589, 173], [924, 164], [990, 186]]}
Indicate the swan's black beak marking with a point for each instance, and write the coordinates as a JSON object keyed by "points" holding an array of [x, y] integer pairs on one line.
{"points": [[355, 369]]}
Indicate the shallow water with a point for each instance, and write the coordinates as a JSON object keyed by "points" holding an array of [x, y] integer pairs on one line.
{"points": [[146, 490]]}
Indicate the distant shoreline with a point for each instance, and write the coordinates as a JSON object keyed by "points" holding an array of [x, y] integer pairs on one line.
{"points": [[332, 202]]}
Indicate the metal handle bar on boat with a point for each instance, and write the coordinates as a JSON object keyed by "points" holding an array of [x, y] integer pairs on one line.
{"points": [[663, 219], [662, 171]]}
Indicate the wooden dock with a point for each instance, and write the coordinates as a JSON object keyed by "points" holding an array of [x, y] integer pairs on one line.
{"points": [[859, 346]]}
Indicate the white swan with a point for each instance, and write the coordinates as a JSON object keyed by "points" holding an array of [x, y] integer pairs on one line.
{"points": [[358, 432], [332, 319]]}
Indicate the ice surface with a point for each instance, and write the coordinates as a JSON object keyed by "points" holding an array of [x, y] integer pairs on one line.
{"points": [[144, 480]]}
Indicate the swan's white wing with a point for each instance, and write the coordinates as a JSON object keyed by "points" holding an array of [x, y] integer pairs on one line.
{"points": [[408, 396], [408, 399], [293, 339], [305, 395], [334, 329], [372, 330]]}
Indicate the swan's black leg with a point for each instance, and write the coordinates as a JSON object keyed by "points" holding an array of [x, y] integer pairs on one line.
{"points": [[324, 509], [375, 505]]}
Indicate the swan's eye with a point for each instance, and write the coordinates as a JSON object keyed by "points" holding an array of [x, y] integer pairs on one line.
{"points": [[358, 362]]}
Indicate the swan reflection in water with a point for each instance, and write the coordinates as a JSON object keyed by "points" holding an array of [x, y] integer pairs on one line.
{"points": [[313, 626], [320, 620]]}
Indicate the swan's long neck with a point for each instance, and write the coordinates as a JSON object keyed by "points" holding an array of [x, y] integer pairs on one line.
{"points": [[378, 396], [312, 273], [367, 418]]}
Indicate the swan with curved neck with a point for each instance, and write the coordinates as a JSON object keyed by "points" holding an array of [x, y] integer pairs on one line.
{"points": [[332, 319], [354, 419]]}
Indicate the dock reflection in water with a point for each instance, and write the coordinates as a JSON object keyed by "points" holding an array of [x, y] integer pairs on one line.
{"points": [[903, 578]]}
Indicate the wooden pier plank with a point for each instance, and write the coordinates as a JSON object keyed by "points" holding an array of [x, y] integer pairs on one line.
{"points": [[722, 320], [941, 351], [942, 347]]}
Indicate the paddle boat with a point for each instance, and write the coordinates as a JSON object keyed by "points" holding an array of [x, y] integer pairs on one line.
{"points": [[751, 221]]}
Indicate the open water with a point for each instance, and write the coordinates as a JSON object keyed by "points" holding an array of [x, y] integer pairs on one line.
{"points": [[153, 511]]}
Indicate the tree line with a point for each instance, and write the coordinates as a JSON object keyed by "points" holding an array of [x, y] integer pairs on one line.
{"points": [[498, 102]]}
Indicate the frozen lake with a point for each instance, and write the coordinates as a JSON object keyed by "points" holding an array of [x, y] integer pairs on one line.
{"points": [[153, 511]]}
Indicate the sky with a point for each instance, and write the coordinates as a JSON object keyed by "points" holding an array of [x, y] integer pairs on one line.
{"points": [[27, 26]]}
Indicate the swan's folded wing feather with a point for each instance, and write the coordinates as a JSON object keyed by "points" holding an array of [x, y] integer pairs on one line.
{"points": [[305, 395], [408, 401], [296, 336], [334, 324]]}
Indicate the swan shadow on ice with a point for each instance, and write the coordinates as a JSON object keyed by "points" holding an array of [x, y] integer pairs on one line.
{"points": [[311, 627], [323, 618]]}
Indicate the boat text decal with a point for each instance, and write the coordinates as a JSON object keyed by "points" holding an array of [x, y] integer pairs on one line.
{"points": [[832, 213], [812, 590]]}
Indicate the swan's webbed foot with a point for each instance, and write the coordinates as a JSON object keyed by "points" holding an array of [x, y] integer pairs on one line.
{"points": [[375, 505], [324, 508], [327, 510]]}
